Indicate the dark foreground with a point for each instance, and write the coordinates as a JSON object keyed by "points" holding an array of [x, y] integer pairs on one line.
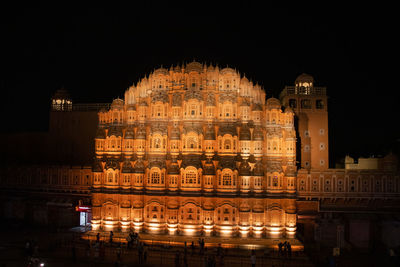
{"points": [[66, 248]]}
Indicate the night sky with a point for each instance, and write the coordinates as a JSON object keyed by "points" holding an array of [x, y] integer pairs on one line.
{"points": [[96, 51]]}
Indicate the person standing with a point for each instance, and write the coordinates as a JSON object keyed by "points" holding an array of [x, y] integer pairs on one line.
{"points": [[119, 253], [289, 249], [280, 245], [185, 263], [285, 249], [102, 251], [111, 236], [192, 245], [253, 258], [177, 259], [145, 256]]}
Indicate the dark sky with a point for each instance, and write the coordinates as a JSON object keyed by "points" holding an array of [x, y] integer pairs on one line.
{"points": [[96, 51]]}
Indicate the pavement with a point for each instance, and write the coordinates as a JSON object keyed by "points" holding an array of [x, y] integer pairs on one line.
{"points": [[247, 243], [55, 249]]}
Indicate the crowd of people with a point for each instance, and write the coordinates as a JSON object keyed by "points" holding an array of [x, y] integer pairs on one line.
{"points": [[194, 250], [285, 249]]}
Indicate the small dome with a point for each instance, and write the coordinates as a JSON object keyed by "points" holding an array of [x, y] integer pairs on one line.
{"points": [[157, 163], [112, 164], [143, 103], [161, 71], [141, 132], [257, 107], [173, 168], [274, 166], [245, 103], [209, 168], [129, 134], [227, 71], [117, 104], [288, 110], [139, 166], [227, 162], [290, 171], [258, 134], [97, 166], [116, 131], [273, 103], [227, 129], [191, 160], [61, 94], [194, 66], [304, 78], [127, 167], [244, 134], [258, 169], [131, 108]]}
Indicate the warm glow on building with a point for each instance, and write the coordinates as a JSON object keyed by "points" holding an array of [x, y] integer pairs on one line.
{"points": [[196, 149]]}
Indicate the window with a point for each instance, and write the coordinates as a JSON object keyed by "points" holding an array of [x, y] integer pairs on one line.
{"points": [[192, 142], [321, 146], [191, 177], [306, 103], [319, 104], [306, 148], [155, 178], [292, 103], [275, 181], [227, 144], [226, 179], [157, 143]]}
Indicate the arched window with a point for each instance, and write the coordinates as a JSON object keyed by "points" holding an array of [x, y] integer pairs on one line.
{"points": [[193, 109], [157, 143], [110, 177], [275, 181], [227, 144], [192, 142]]}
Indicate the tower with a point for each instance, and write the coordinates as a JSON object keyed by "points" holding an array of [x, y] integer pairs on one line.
{"points": [[310, 106]]}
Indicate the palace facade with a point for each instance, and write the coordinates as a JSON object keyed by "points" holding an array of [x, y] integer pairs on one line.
{"points": [[196, 149]]}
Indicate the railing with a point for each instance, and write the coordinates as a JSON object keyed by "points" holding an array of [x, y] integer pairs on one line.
{"points": [[293, 90], [80, 107]]}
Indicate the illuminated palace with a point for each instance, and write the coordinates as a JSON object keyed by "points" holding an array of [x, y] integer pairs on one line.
{"points": [[196, 149]]}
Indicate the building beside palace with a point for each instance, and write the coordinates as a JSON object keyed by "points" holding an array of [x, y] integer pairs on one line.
{"points": [[198, 149]]}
